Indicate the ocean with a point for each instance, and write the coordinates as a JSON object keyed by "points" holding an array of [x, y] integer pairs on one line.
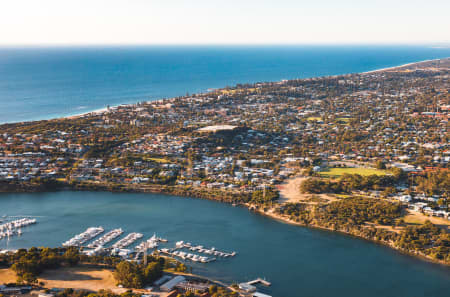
{"points": [[44, 83]]}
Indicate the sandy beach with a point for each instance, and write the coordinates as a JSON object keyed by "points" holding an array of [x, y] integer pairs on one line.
{"points": [[404, 65], [96, 111]]}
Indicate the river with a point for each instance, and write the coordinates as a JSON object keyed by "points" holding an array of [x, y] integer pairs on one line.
{"points": [[298, 261]]}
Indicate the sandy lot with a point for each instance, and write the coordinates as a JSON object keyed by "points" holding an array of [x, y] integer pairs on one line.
{"points": [[92, 279], [81, 278], [7, 276], [416, 218], [290, 192]]}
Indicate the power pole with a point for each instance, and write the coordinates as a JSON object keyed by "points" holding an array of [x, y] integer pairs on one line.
{"points": [[145, 253]]}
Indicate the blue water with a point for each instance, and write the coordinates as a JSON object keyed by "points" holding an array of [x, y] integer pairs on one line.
{"points": [[297, 260], [42, 83]]}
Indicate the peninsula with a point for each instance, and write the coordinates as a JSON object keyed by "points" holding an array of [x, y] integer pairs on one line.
{"points": [[363, 154]]}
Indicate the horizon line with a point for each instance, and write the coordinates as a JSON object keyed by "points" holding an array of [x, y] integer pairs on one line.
{"points": [[443, 44]]}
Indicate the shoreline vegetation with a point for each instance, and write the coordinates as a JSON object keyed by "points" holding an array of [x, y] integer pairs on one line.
{"points": [[353, 233], [336, 209]]}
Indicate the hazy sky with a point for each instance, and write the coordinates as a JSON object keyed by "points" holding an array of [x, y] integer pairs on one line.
{"points": [[223, 21]]}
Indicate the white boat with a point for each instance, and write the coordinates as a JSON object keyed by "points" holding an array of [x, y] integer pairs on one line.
{"points": [[127, 240], [111, 235], [81, 238]]}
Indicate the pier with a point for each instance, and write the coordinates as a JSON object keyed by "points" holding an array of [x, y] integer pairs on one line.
{"points": [[259, 281], [202, 249]]}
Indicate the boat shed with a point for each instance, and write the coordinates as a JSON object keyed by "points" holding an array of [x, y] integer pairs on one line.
{"points": [[247, 287], [258, 294], [168, 286]]}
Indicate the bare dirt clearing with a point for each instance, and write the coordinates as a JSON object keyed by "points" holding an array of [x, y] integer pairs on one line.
{"points": [[417, 218], [92, 279], [7, 276], [290, 192]]}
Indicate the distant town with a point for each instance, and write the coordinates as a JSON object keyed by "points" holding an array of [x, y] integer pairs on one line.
{"points": [[364, 154]]}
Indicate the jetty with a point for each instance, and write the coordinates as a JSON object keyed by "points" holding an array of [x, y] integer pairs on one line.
{"points": [[187, 256], [259, 281], [201, 249]]}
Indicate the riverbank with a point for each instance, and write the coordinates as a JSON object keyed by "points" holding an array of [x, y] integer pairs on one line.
{"points": [[271, 213]]}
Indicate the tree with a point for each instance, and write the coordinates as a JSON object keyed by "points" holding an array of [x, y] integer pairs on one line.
{"points": [[212, 289], [380, 165], [128, 275], [28, 278], [71, 256], [152, 272], [26, 270]]}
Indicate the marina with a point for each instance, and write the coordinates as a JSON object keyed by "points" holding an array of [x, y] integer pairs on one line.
{"points": [[119, 248]]}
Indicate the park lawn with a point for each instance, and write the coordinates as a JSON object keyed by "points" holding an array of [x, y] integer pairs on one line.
{"points": [[342, 196], [338, 172], [158, 160], [234, 91], [345, 121]]}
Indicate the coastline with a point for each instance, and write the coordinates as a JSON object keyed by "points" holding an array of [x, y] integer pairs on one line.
{"points": [[104, 109], [400, 66]]}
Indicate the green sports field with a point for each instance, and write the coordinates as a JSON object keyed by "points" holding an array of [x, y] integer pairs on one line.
{"points": [[338, 172]]}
